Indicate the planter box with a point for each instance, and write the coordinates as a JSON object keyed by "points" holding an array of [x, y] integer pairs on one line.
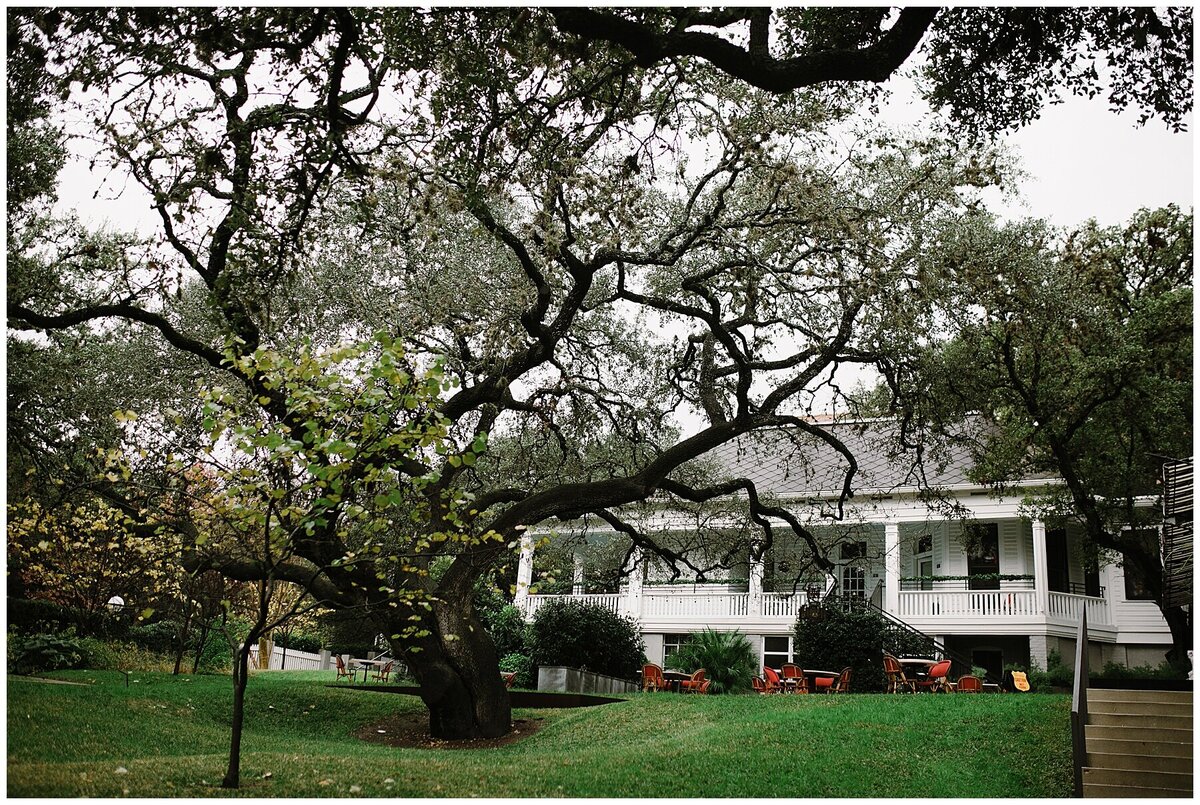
{"points": [[557, 678]]}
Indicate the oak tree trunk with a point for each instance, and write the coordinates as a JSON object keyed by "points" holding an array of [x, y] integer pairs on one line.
{"points": [[459, 675]]}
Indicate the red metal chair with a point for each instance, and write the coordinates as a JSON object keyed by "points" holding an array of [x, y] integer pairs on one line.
{"points": [[794, 680], [842, 684], [774, 685], [652, 678], [759, 685], [969, 684], [383, 673], [897, 681], [694, 684], [935, 680]]}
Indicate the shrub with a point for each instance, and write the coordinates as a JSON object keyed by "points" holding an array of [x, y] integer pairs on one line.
{"points": [[35, 616], [508, 630], [44, 652], [727, 658], [841, 639], [523, 666], [1165, 670], [159, 636], [298, 641], [581, 635], [1056, 675]]}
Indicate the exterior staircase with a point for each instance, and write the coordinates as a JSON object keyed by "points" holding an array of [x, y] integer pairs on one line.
{"points": [[1138, 743]]}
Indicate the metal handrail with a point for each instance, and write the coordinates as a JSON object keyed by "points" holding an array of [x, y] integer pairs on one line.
{"points": [[938, 646], [1079, 713]]}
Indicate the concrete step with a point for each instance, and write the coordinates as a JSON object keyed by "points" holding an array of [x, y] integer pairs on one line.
{"points": [[1128, 746], [1164, 780], [1098, 791], [1166, 696], [1115, 760], [1127, 733], [1183, 722], [1141, 708]]}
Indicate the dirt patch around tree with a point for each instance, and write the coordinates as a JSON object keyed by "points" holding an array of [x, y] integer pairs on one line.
{"points": [[411, 731]]}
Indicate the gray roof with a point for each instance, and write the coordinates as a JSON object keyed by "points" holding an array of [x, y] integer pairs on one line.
{"points": [[791, 463]]}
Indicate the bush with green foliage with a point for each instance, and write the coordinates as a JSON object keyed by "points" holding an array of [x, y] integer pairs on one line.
{"points": [[523, 667], [1165, 670], [30, 654], [298, 641], [727, 658], [856, 637], [581, 635], [508, 630], [35, 616], [159, 636]]}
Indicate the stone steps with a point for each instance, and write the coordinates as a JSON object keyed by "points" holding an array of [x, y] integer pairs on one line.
{"points": [[1139, 744]]}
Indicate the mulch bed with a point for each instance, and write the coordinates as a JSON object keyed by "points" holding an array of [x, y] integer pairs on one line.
{"points": [[411, 731]]}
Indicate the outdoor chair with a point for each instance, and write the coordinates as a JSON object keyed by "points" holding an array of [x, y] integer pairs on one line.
{"points": [[774, 685], [341, 668], [652, 678], [842, 683], [897, 681], [794, 680], [694, 683], [935, 680], [383, 673], [704, 687], [759, 685], [509, 677], [969, 684]]}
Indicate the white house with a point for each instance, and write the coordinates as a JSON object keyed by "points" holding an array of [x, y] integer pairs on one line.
{"points": [[1010, 593]]}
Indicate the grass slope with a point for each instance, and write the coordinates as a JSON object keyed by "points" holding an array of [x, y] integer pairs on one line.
{"points": [[171, 736]]}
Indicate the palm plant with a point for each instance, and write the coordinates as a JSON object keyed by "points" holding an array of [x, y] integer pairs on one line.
{"points": [[727, 658]]}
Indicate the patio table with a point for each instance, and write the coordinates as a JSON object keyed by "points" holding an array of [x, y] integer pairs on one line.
{"points": [[813, 673], [367, 665], [674, 679]]}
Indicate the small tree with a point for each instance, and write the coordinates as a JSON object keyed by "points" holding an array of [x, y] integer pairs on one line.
{"points": [[727, 658]]}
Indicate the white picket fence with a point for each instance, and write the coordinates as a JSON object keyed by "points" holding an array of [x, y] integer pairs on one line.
{"points": [[293, 660]]}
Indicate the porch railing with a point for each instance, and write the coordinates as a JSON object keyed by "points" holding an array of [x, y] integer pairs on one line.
{"points": [[1068, 607], [1064, 607], [967, 603], [688, 605]]}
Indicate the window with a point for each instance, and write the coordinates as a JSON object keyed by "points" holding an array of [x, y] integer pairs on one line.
{"points": [[854, 578], [776, 651], [854, 582], [1136, 588], [984, 557], [672, 643], [853, 550], [923, 561]]}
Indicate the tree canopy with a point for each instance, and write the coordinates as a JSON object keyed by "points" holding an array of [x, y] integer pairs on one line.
{"points": [[1072, 351]]}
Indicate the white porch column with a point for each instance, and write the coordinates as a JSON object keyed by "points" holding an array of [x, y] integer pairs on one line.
{"points": [[756, 583], [1041, 578], [891, 568], [637, 573], [577, 575], [524, 572]]}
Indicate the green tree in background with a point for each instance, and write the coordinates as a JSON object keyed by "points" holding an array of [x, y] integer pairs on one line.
{"points": [[1075, 351]]}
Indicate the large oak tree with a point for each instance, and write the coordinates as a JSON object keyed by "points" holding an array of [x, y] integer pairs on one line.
{"points": [[591, 231]]}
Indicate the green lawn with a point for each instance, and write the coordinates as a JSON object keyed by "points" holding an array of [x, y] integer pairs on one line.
{"points": [[170, 735]]}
